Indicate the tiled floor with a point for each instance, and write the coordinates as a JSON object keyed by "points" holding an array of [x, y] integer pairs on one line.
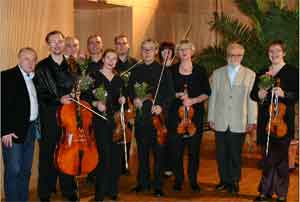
{"points": [[207, 177]]}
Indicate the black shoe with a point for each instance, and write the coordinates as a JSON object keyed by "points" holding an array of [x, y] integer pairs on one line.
{"points": [[221, 187], [72, 198], [114, 198], [262, 198], [140, 188], [46, 199], [54, 190], [196, 188], [281, 199], [158, 193], [97, 200], [126, 172], [177, 188], [234, 188]]}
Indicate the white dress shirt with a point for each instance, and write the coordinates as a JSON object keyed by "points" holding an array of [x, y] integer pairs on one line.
{"points": [[232, 72], [32, 94]]}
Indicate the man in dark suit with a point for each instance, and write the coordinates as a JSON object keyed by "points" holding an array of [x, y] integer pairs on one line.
{"points": [[95, 51], [54, 82], [124, 63], [19, 124]]}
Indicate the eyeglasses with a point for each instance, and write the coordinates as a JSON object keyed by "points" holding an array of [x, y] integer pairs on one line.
{"points": [[148, 50], [183, 49], [121, 43], [237, 55]]}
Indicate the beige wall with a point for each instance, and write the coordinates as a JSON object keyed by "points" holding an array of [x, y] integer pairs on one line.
{"points": [[26, 22], [106, 22]]}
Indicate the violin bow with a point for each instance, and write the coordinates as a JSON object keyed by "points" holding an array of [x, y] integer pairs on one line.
{"points": [[130, 68], [160, 77], [74, 100], [188, 31], [269, 124], [122, 116]]}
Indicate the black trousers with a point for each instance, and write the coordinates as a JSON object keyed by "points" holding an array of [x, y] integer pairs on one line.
{"points": [[48, 174], [147, 142], [109, 168], [168, 161], [229, 149], [275, 175], [178, 144], [123, 161]]}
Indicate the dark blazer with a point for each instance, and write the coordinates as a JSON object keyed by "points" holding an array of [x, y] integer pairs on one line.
{"points": [[15, 104]]}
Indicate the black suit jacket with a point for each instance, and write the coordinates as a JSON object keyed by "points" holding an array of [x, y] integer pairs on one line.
{"points": [[15, 104]]}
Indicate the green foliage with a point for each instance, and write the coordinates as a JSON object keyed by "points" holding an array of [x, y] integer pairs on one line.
{"points": [[141, 90], [100, 93], [266, 82], [270, 20]]}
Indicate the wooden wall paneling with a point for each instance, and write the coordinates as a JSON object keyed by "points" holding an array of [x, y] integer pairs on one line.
{"points": [[106, 22], [26, 22], [143, 26]]}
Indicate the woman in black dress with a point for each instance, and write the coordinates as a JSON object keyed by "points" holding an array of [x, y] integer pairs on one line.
{"points": [[196, 81], [275, 175], [109, 168], [166, 55]]}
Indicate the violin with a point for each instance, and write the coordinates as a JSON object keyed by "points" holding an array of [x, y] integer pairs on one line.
{"points": [[186, 114], [76, 153], [276, 125], [122, 133], [158, 122], [129, 116]]}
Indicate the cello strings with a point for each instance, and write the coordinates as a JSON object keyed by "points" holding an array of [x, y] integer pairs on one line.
{"points": [[88, 108]]}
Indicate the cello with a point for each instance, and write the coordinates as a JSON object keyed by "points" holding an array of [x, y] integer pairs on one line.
{"points": [[76, 153]]}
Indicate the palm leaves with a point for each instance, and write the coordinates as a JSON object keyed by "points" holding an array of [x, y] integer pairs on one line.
{"points": [[270, 21]]}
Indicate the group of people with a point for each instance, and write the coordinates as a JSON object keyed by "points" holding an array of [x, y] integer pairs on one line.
{"points": [[173, 92]]}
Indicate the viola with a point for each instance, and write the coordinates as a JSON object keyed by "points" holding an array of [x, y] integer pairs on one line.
{"points": [[186, 114], [76, 153], [277, 110]]}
